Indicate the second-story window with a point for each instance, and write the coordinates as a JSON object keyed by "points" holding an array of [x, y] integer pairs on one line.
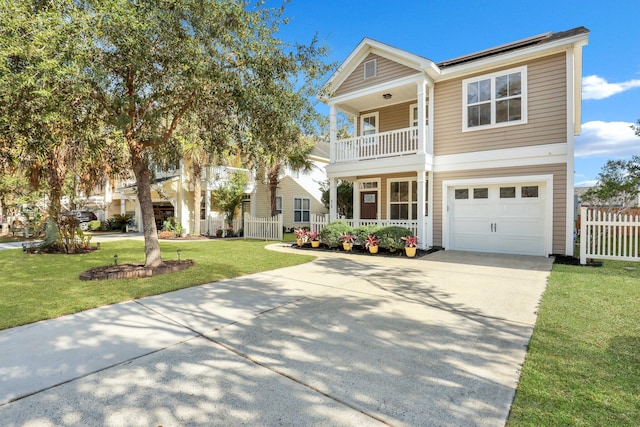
{"points": [[497, 99]]}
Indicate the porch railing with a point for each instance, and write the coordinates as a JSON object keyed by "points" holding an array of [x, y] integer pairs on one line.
{"points": [[219, 175], [318, 222], [384, 144]]}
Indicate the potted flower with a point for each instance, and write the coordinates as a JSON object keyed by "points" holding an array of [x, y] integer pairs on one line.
{"points": [[410, 245], [372, 243], [219, 231], [347, 241], [315, 239], [228, 231], [301, 236]]}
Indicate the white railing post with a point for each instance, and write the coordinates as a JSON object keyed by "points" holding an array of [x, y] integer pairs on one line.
{"points": [[583, 235]]}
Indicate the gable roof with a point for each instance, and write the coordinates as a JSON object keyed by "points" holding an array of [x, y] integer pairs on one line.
{"points": [[510, 47], [434, 71]]}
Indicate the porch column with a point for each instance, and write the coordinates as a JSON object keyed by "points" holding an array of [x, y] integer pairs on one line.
{"points": [[422, 200], [333, 200], [422, 107], [333, 133], [429, 212], [430, 126]]}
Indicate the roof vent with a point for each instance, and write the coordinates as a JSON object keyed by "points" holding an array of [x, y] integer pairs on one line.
{"points": [[370, 69]]}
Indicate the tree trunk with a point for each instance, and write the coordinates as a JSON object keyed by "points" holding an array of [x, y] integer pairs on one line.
{"points": [[274, 172], [197, 197], [153, 257]]}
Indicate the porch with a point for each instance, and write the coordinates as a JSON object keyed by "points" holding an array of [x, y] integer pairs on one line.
{"points": [[399, 142], [318, 222]]}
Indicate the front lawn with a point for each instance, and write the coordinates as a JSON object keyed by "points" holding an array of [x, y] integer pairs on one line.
{"points": [[36, 287], [583, 363]]}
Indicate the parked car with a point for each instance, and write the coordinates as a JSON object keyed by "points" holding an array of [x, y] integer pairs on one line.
{"points": [[83, 218]]}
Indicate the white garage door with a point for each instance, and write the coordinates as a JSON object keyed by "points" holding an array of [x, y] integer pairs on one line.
{"points": [[500, 218]]}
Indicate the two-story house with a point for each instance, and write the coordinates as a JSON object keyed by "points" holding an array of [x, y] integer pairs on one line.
{"points": [[298, 195], [474, 153]]}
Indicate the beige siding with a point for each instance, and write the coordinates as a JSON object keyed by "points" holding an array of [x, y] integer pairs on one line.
{"points": [[392, 117], [387, 71], [288, 189], [559, 172], [384, 190], [547, 118]]}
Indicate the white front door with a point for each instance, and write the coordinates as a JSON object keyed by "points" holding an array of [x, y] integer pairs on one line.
{"points": [[501, 218]]}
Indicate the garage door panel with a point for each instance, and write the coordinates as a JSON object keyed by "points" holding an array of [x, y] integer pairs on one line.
{"points": [[520, 245], [470, 242], [504, 225]]}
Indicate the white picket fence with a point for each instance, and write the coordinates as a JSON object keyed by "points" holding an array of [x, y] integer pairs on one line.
{"points": [[263, 228], [609, 235], [210, 225]]}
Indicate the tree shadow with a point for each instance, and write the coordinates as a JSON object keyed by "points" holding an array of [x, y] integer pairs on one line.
{"points": [[350, 343]]}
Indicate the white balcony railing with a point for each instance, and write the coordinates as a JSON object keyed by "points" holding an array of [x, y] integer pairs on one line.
{"points": [[219, 175], [393, 143]]}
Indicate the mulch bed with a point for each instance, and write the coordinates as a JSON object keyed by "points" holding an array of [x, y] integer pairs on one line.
{"points": [[570, 260], [360, 250], [134, 270]]}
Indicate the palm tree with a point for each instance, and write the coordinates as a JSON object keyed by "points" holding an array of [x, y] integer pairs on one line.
{"points": [[294, 157]]}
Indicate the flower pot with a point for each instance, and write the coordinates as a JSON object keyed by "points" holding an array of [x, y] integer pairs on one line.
{"points": [[315, 243], [373, 249], [411, 252], [346, 246], [299, 242]]}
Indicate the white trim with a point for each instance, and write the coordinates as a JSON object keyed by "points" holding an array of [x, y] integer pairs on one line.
{"points": [[382, 87], [492, 101], [518, 55], [293, 209], [357, 191], [373, 61], [375, 114], [570, 225], [388, 204], [507, 157], [546, 179]]}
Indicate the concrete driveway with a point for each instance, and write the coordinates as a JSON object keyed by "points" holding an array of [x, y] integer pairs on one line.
{"points": [[344, 340]]}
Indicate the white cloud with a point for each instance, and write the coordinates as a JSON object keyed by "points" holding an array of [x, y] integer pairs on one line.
{"points": [[595, 87], [607, 139], [588, 183]]}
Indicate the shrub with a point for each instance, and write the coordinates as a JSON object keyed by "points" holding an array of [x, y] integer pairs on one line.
{"points": [[94, 225], [120, 222], [391, 237], [333, 232], [362, 232], [166, 235]]}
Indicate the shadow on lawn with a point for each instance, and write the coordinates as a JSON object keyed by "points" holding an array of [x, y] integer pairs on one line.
{"points": [[393, 347]]}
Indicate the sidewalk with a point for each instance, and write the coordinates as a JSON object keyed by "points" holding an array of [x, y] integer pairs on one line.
{"points": [[344, 340]]}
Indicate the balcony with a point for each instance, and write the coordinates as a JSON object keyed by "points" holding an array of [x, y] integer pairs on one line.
{"points": [[220, 175], [395, 143]]}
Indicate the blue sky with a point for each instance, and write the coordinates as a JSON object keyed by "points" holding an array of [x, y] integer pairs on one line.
{"points": [[441, 30]]}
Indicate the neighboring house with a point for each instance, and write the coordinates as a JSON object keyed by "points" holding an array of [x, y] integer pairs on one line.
{"points": [[473, 153], [172, 195], [299, 194]]}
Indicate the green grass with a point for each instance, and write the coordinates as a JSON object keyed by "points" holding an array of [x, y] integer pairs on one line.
{"points": [[583, 364], [36, 287]]}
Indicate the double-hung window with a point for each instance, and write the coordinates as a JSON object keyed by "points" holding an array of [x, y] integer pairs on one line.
{"points": [[498, 99], [278, 205], [301, 209], [403, 200]]}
